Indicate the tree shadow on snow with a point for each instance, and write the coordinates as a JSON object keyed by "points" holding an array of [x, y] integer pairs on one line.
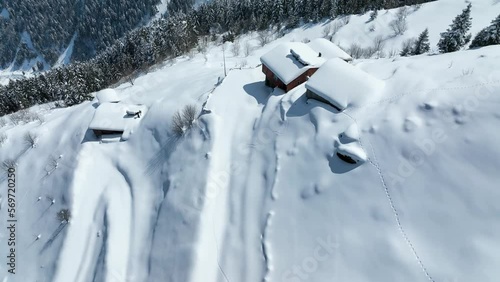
{"points": [[339, 166], [258, 90], [54, 236], [156, 163]]}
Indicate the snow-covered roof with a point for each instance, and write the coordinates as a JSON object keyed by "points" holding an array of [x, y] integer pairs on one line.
{"points": [[114, 117], [107, 96], [289, 60], [306, 55], [328, 49], [343, 84]]}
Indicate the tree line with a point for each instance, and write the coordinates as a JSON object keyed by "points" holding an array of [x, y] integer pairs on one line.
{"points": [[45, 27]]}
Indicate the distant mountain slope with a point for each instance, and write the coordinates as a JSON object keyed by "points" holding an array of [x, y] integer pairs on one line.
{"points": [[51, 25]]}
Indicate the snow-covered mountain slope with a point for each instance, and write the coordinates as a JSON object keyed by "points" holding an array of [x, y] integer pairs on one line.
{"points": [[255, 191]]}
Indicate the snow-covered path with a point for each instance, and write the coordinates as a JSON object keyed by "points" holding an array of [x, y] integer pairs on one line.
{"points": [[234, 110], [98, 191]]}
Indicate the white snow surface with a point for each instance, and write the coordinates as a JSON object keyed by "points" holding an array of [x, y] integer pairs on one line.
{"points": [[306, 55], [328, 49], [343, 84], [107, 96], [351, 134], [254, 191]]}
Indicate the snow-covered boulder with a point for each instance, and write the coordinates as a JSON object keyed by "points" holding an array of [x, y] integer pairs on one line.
{"points": [[342, 84]]}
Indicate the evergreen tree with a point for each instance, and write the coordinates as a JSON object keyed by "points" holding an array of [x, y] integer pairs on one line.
{"points": [[421, 45], [488, 36], [456, 36]]}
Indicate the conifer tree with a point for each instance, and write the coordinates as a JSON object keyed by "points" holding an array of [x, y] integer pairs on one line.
{"points": [[456, 36], [421, 45], [488, 36]]}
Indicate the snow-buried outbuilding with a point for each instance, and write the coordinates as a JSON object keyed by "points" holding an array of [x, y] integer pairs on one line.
{"points": [[116, 120], [351, 153], [341, 84]]}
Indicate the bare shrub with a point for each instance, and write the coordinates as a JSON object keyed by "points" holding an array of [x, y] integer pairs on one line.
{"points": [[64, 215], [243, 63], [467, 72], [3, 138], [356, 51], [345, 20], [40, 118], [183, 120], [399, 25], [336, 27], [306, 40], [373, 16], [392, 53], [202, 45], [248, 49], [264, 37], [189, 114], [403, 12], [60, 104], [407, 47], [235, 48], [53, 164], [9, 164], [368, 52], [378, 43], [3, 122], [177, 126], [326, 32], [30, 139], [25, 116], [380, 54]]}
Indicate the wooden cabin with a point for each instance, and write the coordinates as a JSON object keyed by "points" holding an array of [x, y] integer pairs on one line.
{"points": [[291, 64]]}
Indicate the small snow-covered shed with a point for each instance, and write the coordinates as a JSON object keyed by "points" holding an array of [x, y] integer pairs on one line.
{"points": [[351, 153], [328, 49], [290, 64], [341, 84], [116, 119], [107, 96]]}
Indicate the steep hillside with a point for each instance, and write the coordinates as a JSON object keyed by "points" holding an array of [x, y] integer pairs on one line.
{"points": [[254, 191], [37, 33]]}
